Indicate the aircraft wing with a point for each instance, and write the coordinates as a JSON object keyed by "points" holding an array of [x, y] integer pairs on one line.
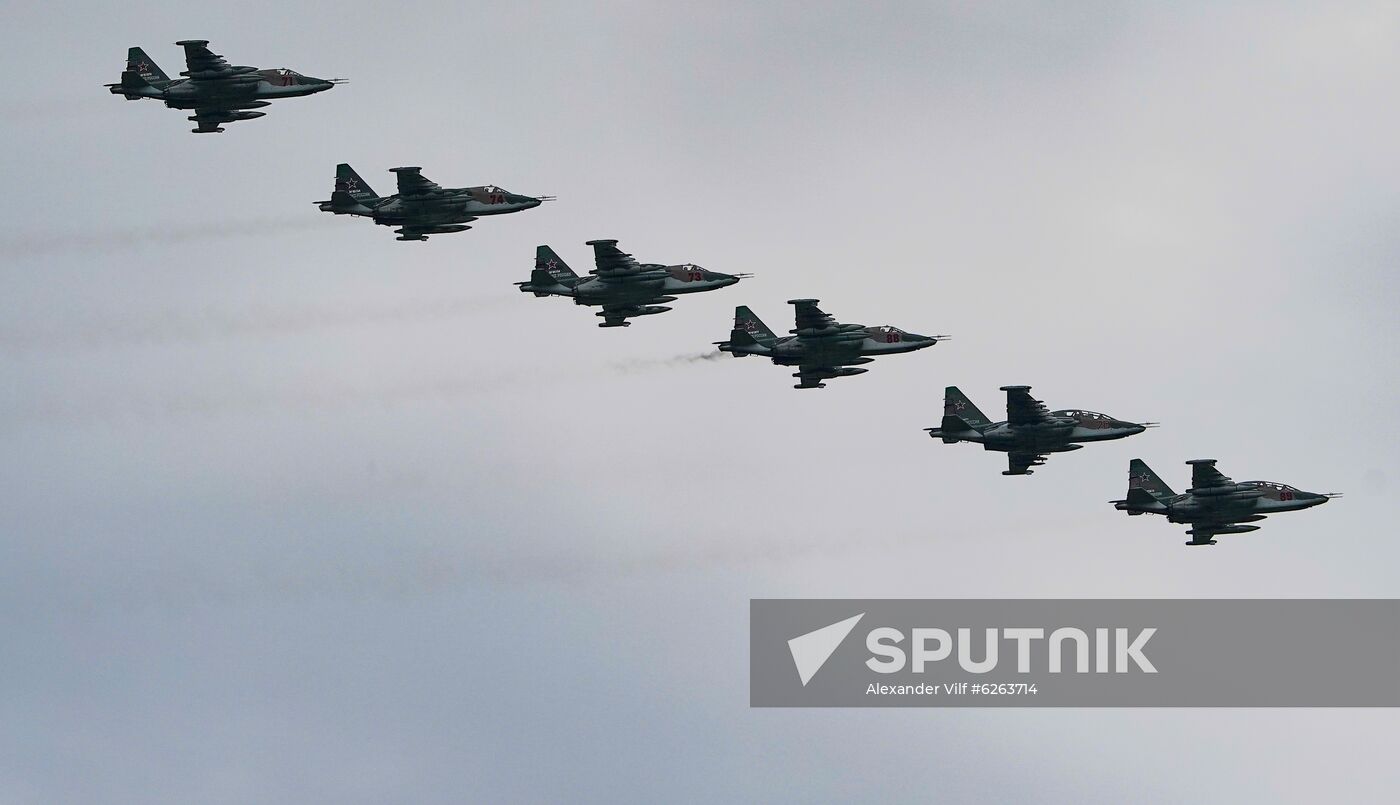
{"points": [[1021, 463], [810, 317], [410, 231], [1202, 535], [615, 315], [208, 118], [202, 64], [611, 262], [1022, 408], [412, 182], [811, 373], [1204, 475]]}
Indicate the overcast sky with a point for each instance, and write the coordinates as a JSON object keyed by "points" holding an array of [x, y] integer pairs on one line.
{"points": [[295, 512]]}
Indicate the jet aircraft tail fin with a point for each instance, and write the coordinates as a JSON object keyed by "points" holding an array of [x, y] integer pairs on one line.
{"points": [[142, 67], [959, 414], [1143, 484], [347, 181], [550, 268], [749, 329], [752, 326]]}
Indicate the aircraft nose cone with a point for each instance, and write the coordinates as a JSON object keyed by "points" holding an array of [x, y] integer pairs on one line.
{"points": [[727, 280], [1134, 428]]}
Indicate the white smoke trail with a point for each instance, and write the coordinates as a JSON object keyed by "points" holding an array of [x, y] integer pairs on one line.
{"points": [[185, 327], [640, 365], [40, 244]]}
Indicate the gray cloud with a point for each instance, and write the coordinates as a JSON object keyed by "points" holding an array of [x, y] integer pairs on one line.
{"points": [[355, 527]]}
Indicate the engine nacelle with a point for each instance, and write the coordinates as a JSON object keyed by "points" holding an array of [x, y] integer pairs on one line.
{"points": [[356, 209], [1237, 491]]}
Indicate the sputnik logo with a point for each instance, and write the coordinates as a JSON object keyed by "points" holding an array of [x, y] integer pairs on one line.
{"points": [[811, 650]]}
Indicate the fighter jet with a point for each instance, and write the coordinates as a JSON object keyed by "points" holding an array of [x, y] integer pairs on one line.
{"points": [[217, 92], [1214, 504], [1030, 430], [621, 286], [820, 347], [421, 207]]}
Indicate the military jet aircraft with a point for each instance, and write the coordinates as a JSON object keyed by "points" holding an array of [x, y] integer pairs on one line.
{"points": [[421, 207], [1030, 430], [621, 286], [217, 92], [820, 347], [1214, 504]]}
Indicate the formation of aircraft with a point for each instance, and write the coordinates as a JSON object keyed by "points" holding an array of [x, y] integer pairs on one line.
{"points": [[820, 347], [1214, 504], [621, 286], [216, 91], [1030, 431], [421, 207]]}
